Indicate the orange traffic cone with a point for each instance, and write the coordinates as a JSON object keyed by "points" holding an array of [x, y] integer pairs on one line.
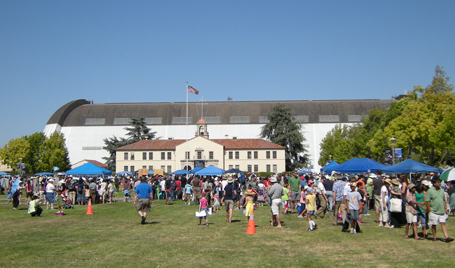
{"points": [[89, 207], [251, 227]]}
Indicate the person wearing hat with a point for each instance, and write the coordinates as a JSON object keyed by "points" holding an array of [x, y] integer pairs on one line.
{"points": [[50, 194], [411, 212], [437, 205], [229, 193], [249, 204], [275, 193], [353, 198]]}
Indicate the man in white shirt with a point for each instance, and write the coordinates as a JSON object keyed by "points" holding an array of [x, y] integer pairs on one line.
{"points": [[322, 198]]}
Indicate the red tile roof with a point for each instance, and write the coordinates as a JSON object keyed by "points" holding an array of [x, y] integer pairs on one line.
{"points": [[96, 163], [227, 143]]}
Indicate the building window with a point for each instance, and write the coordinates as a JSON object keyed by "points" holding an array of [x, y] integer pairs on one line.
{"points": [[162, 168], [231, 155], [267, 154], [132, 169], [125, 156], [144, 156], [231, 166], [237, 167], [163, 155], [249, 168], [151, 156], [169, 169], [275, 169], [267, 168], [255, 154], [169, 155], [210, 155], [199, 155], [125, 168], [274, 154], [150, 167], [256, 168], [187, 155], [132, 156], [237, 155], [249, 154], [144, 167]]}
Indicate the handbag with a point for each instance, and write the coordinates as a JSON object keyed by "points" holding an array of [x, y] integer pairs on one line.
{"points": [[395, 205]]}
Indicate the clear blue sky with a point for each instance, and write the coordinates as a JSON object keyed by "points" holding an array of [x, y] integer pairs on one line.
{"points": [[53, 52]]}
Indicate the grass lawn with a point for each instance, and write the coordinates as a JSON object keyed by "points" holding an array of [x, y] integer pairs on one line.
{"points": [[114, 237]]}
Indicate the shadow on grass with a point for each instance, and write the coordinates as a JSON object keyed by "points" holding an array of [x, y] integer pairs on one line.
{"points": [[151, 222]]}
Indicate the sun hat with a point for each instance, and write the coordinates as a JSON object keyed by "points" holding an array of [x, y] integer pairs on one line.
{"points": [[310, 189], [230, 179], [412, 185], [426, 183], [389, 181], [249, 192], [373, 176], [310, 182], [273, 179], [395, 181]]}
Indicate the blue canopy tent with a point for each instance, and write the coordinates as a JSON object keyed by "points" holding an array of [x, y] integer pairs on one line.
{"points": [[210, 171], [3, 173], [409, 166], [180, 172], [304, 172], [124, 173], [357, 165], [330, 165], [44, 173], [194, 170], [89, 169], [151, 172]]}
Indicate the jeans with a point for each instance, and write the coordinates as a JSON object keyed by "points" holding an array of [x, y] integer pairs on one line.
{"points": [[329, 195]]}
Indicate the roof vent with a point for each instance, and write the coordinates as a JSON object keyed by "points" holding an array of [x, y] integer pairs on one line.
{"points": [[234, 138], [170, 139]]}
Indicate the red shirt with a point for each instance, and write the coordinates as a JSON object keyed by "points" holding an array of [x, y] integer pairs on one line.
{"points": [[178, 184]]}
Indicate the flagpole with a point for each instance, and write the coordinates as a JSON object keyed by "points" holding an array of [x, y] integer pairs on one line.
{"points": [[186, 152]]}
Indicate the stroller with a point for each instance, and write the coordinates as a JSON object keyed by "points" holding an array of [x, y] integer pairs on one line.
{"points": [[67, 204]]}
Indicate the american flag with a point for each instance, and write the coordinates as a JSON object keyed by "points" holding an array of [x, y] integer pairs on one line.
{"points": [[192, 90]]}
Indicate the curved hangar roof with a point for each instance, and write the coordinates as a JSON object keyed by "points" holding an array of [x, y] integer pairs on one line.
{"points": [[84, 113]]}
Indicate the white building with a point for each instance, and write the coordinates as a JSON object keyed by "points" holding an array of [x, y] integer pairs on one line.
{"points": [[85, 124]]}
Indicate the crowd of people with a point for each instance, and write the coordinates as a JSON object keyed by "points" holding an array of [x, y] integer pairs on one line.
{"points": [[422, 202]]}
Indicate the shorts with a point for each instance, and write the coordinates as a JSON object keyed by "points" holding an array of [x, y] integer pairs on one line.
{"points": [[284, 204], [49, 197], [310, 212], [143, 205], [276, 203], [377, 202], [126, 192], [229, 204], [354, 214], [204, 209], [435, 219], [411, 218], [295, 196], [423, 218], [30, 194]]}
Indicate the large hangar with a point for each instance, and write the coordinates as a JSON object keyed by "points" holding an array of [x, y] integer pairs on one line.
{"points": [[85, 124]]}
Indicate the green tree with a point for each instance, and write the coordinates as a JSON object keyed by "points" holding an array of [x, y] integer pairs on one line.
{"points": [[111, 145], [139, 130], [33, 158], [14, 151], [54, 154], [284, 130]]}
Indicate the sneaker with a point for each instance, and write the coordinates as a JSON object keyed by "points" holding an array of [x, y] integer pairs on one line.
{"points": [[448, 239], [236, 209], [300, 217], [352, 231], [310, 230], [143, 220], [355, 232], [315, 226]]}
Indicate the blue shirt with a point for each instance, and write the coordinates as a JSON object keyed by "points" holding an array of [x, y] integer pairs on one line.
{"points": [[143, 190], [338, 187]]}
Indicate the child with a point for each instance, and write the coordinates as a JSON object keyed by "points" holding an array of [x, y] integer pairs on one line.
{"points": [[216, 204], [188, 189], [249, 204], [302, 202], [33, 207], [203, 207], [87, 193], [311, 206], [285, 198], [353, 197], [59, 198]]}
